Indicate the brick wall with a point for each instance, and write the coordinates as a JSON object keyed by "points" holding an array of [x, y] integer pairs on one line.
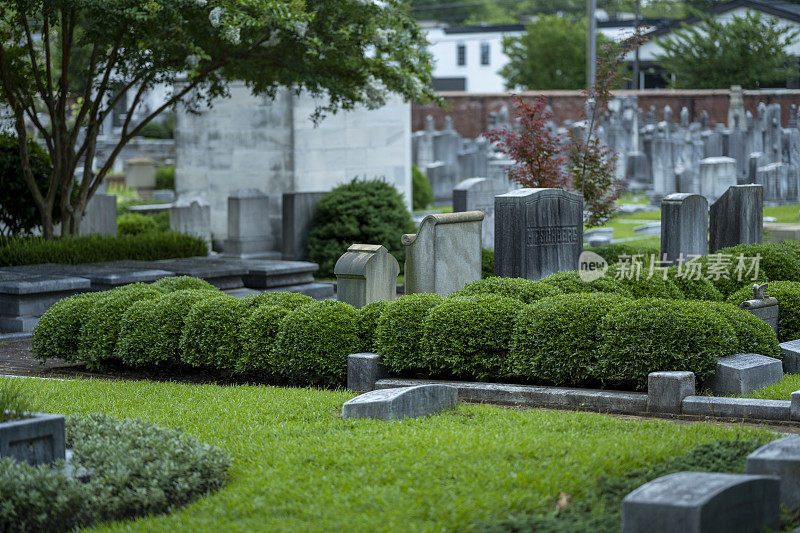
{"points": [[470, 112]]}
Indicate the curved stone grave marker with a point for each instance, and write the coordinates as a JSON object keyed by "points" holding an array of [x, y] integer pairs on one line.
{"points": [[403, 402]]}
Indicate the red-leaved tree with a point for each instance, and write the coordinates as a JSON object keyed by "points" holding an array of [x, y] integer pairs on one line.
{"points": [[580, 163]]}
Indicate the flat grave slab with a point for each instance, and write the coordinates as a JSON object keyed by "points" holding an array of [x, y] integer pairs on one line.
{"points": [[745, 372], [220, 272], [404, 402], [702, 502], [17, 282], [780, 458], [268, 273]]}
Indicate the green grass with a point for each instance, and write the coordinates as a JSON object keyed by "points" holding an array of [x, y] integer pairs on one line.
{"points": [[299, 467], [781, 390], [629, 198], [784, 213]]}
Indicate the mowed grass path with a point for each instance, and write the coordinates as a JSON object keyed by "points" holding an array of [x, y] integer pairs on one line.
{"points": [[299, 467]]}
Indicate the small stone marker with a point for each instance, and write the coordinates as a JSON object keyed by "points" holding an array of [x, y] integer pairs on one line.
{"points": [[666, 391], [140, 173], [248, 224], [780, 458], [445, 254], [36, 440], [703, 502], [537, 232], [192, 216], [403, 402], [477, 194], [744, 372], [366, 273], [794, 408], [791, 357], [363, 370], [101, 216], [737, 217], [763, 306], [684, 226]]}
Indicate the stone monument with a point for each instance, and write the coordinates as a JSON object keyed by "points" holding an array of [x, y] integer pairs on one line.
{"points": [[366, 273]]}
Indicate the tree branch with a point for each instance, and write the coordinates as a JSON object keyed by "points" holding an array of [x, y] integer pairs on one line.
{"points": [[46, 96]]}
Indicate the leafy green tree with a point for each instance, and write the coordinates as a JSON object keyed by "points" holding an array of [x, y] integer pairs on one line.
{"points": [[74, 61], [551, 54], [747, 51]]}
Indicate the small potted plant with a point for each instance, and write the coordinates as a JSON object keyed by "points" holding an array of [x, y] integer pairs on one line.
{"points": [[25, 436]]}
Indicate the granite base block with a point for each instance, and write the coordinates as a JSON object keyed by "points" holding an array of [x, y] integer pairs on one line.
{"points": [[35, 440]]}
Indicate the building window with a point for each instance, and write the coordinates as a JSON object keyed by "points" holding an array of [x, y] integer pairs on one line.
{"points": [[484, 53], [461, 55]]}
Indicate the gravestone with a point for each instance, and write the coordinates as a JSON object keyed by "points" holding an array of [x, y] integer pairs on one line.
{"points": [[762, 306], [192, 216], [537, 232], [716, 175], [366, 273], [101, 216], [703, 502], [248, 224], [737, 217], [402, 402], [445, 254], [744, 372], [363, 370], [477, 194], [666, 390], [780, 458], [791, 356], [140, 173], [298, 211], [684, 226]]}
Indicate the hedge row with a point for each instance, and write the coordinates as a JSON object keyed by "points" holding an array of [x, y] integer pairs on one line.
{"points": [[95, 248]]}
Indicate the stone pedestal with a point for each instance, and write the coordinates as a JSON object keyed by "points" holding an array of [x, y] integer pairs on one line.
{"points": [[366, 273], [248, 226]]}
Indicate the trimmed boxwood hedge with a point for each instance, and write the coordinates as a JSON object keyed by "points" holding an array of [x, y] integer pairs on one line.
{"points": [[179, 283], [400, 332], [753, 335], [314, 342], [645, 284], [258, 336], [558, 339], [367, 327], [570, 282], [57, 334], [210, 336], [788, 295], [470, 337], [522, 289], [694, 289], [136, 345], [289, 300]]}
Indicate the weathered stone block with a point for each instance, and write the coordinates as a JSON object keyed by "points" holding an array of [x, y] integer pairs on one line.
{"points": [[765, 308], [248, 224], [780, 458], [363, 370], [298, 210], [737, 217], [366, 273], [702, 502], [722, 407], [477, 194], [791, 357], [745, 372], [36, 440], [406, 402], [794, 410], [684, 226], [666, 390]]}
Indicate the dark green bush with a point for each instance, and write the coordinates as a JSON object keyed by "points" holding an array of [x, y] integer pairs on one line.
{"points": [[314, 342], [788, 295], [288, 300], [613, 252], [421, 191], [96, 248], [370, 212], [210, 336], [524, 290], [722, 272], [137, 469], [400, 332], [753, 335], [179, 283], [570, 282], [165, 177], [695, 289], [155, 130], [138, 330], [643, 284], [778, 262], [135, 224], [57, 333], [487, 263], [367, 327], [652, 334], [100, 328], [171, 313], [18, 212], [258, 336], [558, 339], [470, 337]]}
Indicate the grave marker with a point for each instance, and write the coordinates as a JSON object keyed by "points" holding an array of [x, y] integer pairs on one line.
{"points": [[366, 273], [477, 194], [737, 217], [684, 226]]}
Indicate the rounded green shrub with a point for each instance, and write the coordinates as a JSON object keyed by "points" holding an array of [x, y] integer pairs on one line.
{"points": [[725, 273], [421, 191], [652, 334], [360, 211], [788, 295], [777, 262], [753, 335], [695, 289], [135, 224], [314, 342], [179, 283], [57, 333], [138, 331], [570, 282], [644, 284], [287, 300], [401, 329], [258, 336], [613, 253], [165, 177], [487, 263], [367, 327], [522, 289], [100, 328], [210, 336], [470, 337], [557, 338]]}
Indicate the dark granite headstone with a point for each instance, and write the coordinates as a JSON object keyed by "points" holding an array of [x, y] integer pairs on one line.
{"points": [[737, 217], [477, 194], [537, 232], [298, 210], [684, 226]]}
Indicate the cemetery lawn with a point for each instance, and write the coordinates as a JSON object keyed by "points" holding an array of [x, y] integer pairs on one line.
{"points": [[781, 390], [786, 214], [297, 466]]}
